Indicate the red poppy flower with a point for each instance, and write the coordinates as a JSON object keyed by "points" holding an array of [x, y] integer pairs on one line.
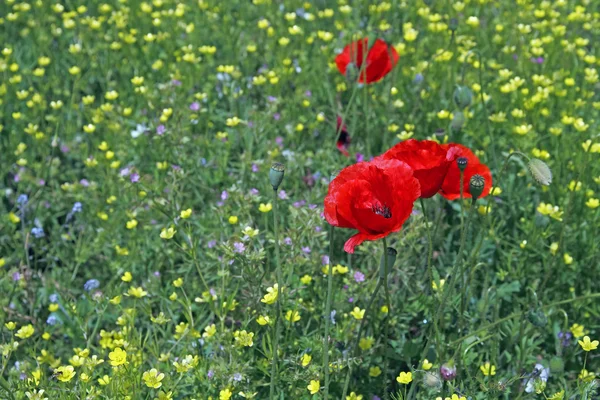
{"points": [[380, 59], [451, 186], [373, 197], [429, 161], [344, 138]]}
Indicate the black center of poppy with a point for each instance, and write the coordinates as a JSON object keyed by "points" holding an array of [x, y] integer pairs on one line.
{"points": [[384, 211]]}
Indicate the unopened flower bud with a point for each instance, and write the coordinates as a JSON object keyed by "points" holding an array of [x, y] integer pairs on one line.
{"points": [[537, 318], [448, 371], [390, 255], [352, 71], [462, 163], [462, 97], [276, 174], [458, 121], [540, 171], [476, 184], [453, 25]]}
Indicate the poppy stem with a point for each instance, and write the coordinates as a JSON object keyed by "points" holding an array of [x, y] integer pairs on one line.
{"points": [[328, 316], [358, 336], [429, 240], [274, 371], [387, 319]]}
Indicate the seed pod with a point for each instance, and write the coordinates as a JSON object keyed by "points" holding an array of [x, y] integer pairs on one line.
{"points": [[462, 163], [476, 184], [462, 97], [540, 171], [276, 174], [390, 254]]}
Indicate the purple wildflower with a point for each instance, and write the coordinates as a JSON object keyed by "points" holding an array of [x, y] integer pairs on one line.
{"points": [[160, 129], [195, 106], [239, 247], [359, 277]]}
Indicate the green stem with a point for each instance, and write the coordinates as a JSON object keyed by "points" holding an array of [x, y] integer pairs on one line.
{"points": [[274, 371], [358, 336], [387, 319], [430, 243], [328, 316]]}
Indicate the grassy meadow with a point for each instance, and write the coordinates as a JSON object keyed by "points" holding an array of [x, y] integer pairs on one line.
{"points": [[166, 172]]}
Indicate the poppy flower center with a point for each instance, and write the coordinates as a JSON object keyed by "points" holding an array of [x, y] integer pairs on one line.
{"points": [[382, 210]]}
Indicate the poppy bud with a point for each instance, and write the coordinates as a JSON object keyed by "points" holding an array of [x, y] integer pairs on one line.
{"points": [[458, 121], [448, 371], [537, 318], [462, 163], [390, 254], [476, 184], [540, 171], [462, 97], [276, 174], [453, 25], [352, 72]]}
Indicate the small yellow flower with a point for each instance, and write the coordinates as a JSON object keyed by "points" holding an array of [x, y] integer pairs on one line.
{"points": [[263, 320], [25, 332], [185, 214], [137, 292], [11, 326], [553, 248], [404, 378], [593, 203], [14, 218], [374, 372], [588, 345], [117, 357], [557, 396], [167, 233], [265, 208], [354, 396], [233, 220], [567, 259], [313, 387], [64, 373], [306, 359], [243, 338], [427, 365], [131, 224], [306, 279], [357, 313], [272, 294], [438, 285], [105, 380], [366, 343], [487, 369], [127, 277], [178, 282], [153, 379], [225, 394], [292, 316]]}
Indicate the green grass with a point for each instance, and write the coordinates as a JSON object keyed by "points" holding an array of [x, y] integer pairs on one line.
{"points": [[108, 161]]}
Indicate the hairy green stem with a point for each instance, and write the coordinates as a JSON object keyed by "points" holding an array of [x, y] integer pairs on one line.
{"points": [[328, 317], [358, 336], [386, 339], [274, 370]]}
